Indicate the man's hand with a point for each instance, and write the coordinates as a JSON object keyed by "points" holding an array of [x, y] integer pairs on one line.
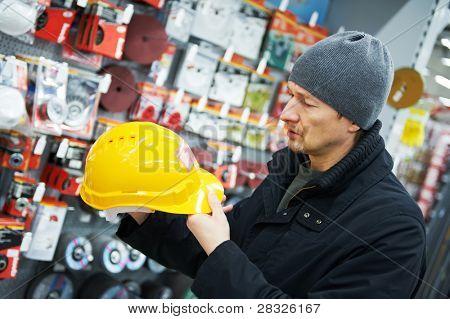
{"points": [[211, 230]]}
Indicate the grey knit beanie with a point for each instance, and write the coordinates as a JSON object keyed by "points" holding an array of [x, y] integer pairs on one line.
{"points": [[350, 71]]}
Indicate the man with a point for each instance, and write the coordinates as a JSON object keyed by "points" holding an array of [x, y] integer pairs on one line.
{"points": [[330, 220]]}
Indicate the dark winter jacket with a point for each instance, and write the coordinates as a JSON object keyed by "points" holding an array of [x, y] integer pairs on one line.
{"points": [[354, 232]]}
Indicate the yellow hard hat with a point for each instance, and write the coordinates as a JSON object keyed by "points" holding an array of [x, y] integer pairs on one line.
{"points": [[144, 165]]}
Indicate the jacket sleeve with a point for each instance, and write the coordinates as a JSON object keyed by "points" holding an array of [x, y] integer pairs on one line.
{"points": [[166, 239], [391, 265], [228, 273], [388, 268]]}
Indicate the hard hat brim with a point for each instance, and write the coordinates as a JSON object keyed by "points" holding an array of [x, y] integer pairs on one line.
{"points": [[196, 201]]}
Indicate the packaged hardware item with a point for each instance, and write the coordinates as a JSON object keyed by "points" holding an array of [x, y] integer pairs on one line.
{"points": [[256, 137], [304, 9], [281, 100], [103, 27], [206, 122], [180, 19], [154, 3], [235, 131], [197, 69], [248, 29], [53, 24], [230, 84], [11, 235], [104, 124], [279, 46], [305, 38], [14, 73], [64, 170], [50, 107], [212, 19], [23, 191], [223, 152], [82, 99], [13, 88], [159, 70], [150, 103], [250, 173], [92, 60], [237, 125], [15, 150], [46, 230], [225, 157], [259, 93], [176, 111]]}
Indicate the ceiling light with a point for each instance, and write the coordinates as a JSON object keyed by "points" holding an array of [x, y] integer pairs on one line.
{"points": [[442, 80], [445, 61], [444, 101], [445, 42]]}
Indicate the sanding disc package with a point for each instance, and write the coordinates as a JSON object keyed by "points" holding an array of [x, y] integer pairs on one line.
{"points": [[259, 93], [248, 29], [229, 84], [212, 21], [122, 92], [146, 39], [197, 70], [180, 19]]}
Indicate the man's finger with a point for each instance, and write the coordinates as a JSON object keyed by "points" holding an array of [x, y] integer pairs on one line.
{"points": [[214, 203], [224, 198], [228, 208]]}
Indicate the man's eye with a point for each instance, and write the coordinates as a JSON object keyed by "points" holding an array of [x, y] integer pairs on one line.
{"points": [[307, 104]]}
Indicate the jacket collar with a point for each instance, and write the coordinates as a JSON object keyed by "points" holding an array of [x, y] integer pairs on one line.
{"points": [[285, 164]]}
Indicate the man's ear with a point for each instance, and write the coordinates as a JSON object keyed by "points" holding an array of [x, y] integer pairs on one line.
{"points": [[353, 128]]}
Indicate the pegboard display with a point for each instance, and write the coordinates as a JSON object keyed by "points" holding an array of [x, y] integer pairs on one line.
{"points": [[30, 270], [213, 72], [83, 221], [223, 137]]}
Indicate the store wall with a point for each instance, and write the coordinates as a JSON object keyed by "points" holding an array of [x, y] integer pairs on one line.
{"points": [[363, 15], [404, 34]]}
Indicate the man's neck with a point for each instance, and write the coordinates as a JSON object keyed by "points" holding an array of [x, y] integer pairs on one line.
{"points": [[325, 161]]}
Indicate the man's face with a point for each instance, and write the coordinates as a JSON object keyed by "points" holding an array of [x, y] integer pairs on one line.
{"points": [[312, 126]]}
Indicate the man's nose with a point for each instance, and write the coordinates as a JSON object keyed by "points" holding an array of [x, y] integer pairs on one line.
{"points": [[289, 113]]}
